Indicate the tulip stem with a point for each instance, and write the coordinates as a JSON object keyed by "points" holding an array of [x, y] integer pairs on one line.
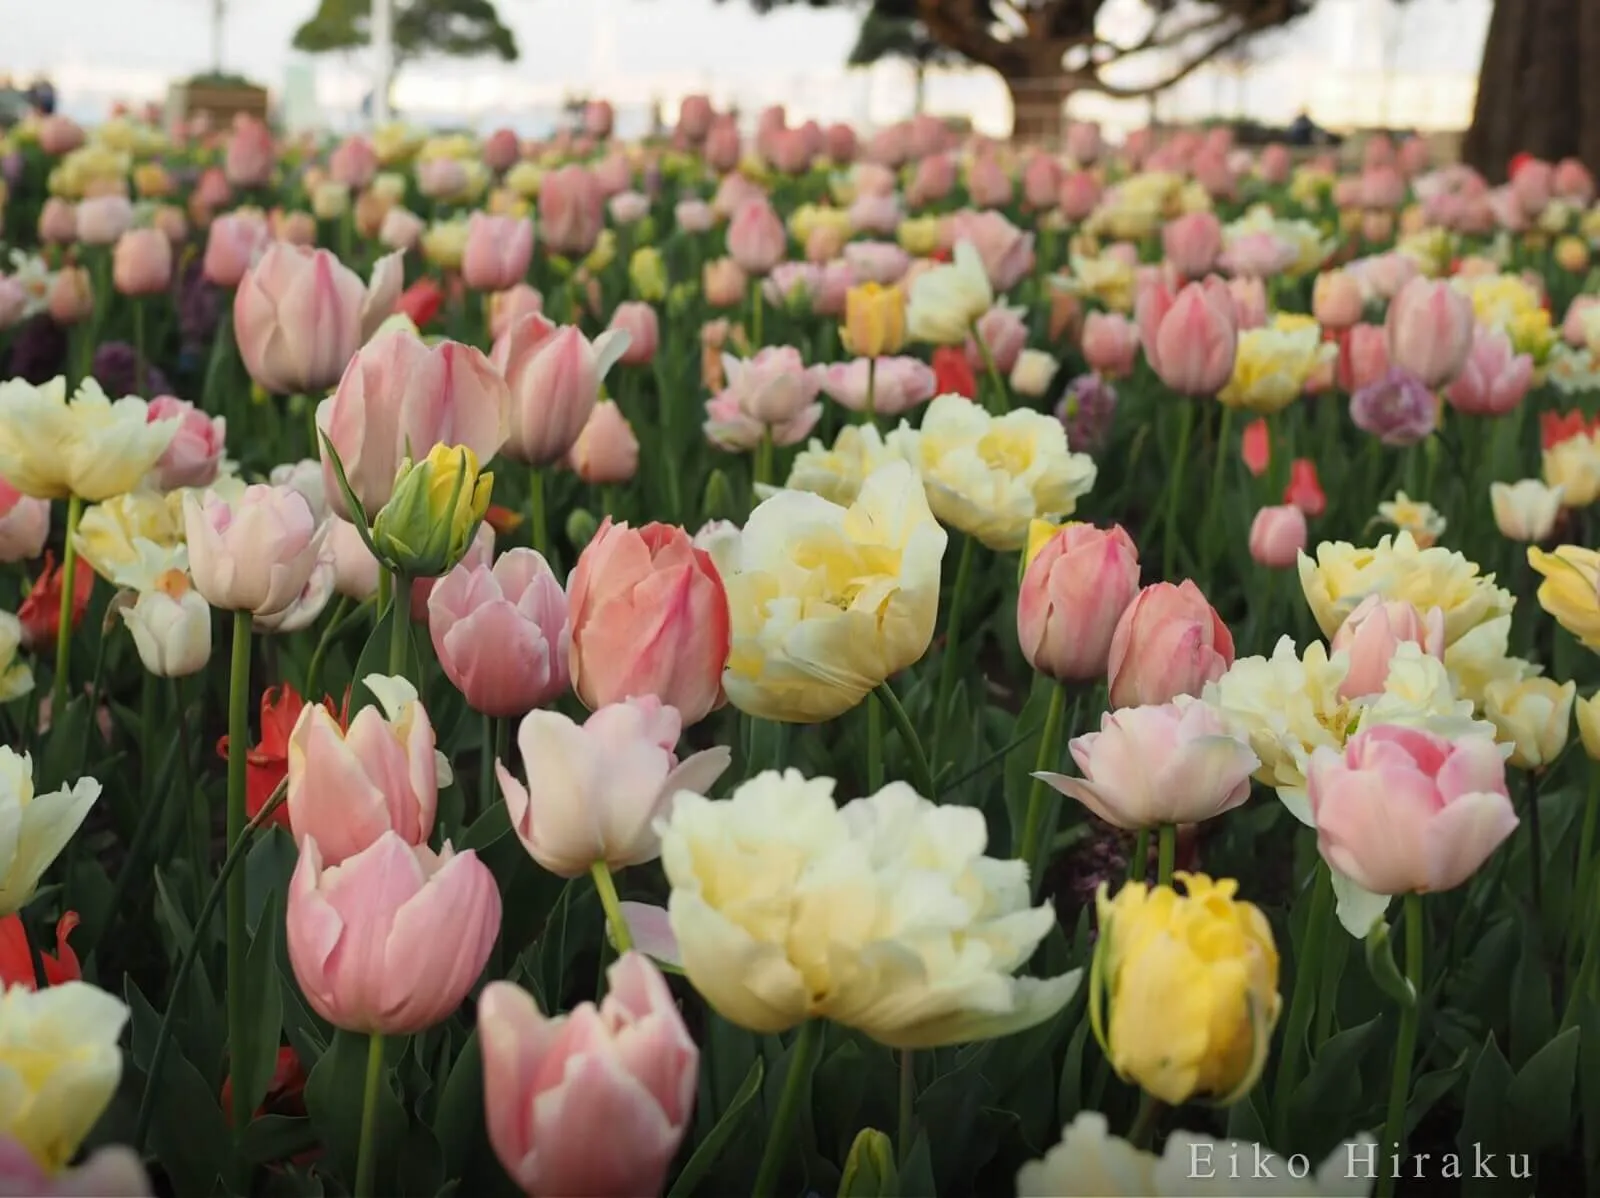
{"points": [[763, 465], [1535, 840], [1144, 1123], [486, 782], [780, 1134], [238, 935], [199, 813], [1394, 1127], [907, 1126], [366, 1156], [1591, 809], [1302, 1002], [757, 308], [331, 629], [1169, 538], [952, 642], [139, 369], [997, 384], [1046, 759], [1166, 853], [875, 745], [69, 569], [399, 630], [606, 887], [923, 773], [1139, 863], [537, 528], [872, 391]]}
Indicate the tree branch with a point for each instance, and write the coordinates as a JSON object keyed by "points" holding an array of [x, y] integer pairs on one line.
{"points": [[1090, 78]]}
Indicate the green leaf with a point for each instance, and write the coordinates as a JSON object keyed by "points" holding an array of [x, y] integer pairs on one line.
{"points": [[1431, 1087], [486, 829], [705, 1156], [374, 657], [1532, 1009], [842, 1076], [421, 1164], [459, 1120], [274, 1138], [187, 1130], [146, 1024], [1483, 1119], [1023, 759], [1331, 1093], [334, 1095], [916, 1179], [1380, 963], [257, 1058], [1245, 1122], [268, 866], [1589, 1079], [1539, 1101], [1069, 1095]]}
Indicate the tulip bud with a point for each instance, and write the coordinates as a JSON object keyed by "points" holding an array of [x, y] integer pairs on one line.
{"points": [[719, 503], [1169, 642], [429, 522], [142, 262], [581, 527], [1278, 536], [171, 627], [1588, 713], [874, 320], [1429, 330], [869, 1170]]}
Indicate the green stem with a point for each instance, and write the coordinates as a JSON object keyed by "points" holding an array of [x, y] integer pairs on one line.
{"points": [[1535, 840], [1335, 948], [329, 630], [238, 937], [872, 391], [399, 626], [1139, 863], [997, 385], [1585, 874], [952, 642], [874, 745], [906, 1128], [1302, 1001], [757, 307], [140, 371], [486, 782], [1144, 1123], [538, 530], [606, 887], [1048, 755], [1394, 1128], [762, 471], [1169, 537], [199, 813], [1213, 520], [919, 760], [366, 1154], [1166, 853], [69, 570], [780, 1135]]}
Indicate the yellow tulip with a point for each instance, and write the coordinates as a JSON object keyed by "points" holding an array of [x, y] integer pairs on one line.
{"points": [[919, 235], [59, 1066], [444, 242], [1271, 366], [647, 273], [429, 522], [1572, 255], [808, 218], [1574, 465], [991, 476], [34, 829], [946, 300], [1588, 713], [787, 908], [1183, 992], [16, 678], [1568, 591], [92, 448], [330, 200], [837, 474], [1533, 716], [389, 187], [874, 320], [110, 535], [1532, 333], [395, 142], [1422, 520]]}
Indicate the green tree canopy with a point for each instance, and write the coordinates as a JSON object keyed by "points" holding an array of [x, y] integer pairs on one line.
{"points": [[454, 28]]}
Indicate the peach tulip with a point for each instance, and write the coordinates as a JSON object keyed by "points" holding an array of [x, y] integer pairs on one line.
{"points": [[499, 249], [300, 315], [1404, 811], [194, 455], [553, 375], [1190, 338], [1336, 300], [233, 242], [58, 221], [1168, 642], [649, 617], [1429, 331], [606, 451], [1110, 344], [1166, 764], [1372, 633], [1363, 357], [1073, 593], [398, 399], [400, 229], [392, 939], [1193, 243], [570, 210], [628, 1065], [1278, 536], [643, 326]]}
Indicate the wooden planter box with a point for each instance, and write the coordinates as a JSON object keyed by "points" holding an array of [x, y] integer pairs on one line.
{"points": [[222, 104]]}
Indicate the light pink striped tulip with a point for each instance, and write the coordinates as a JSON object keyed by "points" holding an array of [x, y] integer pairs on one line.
{"points": [[1072, 596], [1372, 633], [1189, 338], [498, 251], [1429, 330]]}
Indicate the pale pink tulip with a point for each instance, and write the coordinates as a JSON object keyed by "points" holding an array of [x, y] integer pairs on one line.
{"points": [[1041, 182], [756, 237], [233, 242], [1110, 344], [58, 221], [1004, 332], [1193, 243], [643, 326], [255, 554], [250, 155], [353, 162], [1080, 195], [110, 1172], [570, 210], [1278, 536], [606, 451], [1007, 251], [1073, 594], [510, 306], [1169, 642], [24, 524], [355, 570], [1363, 357], [194, 455], [1429, 331], [1189, 339], [498, 251], [898, 384], [103, 219], [879, 262], [1494, 378], [1372, 633], [554, 375]]}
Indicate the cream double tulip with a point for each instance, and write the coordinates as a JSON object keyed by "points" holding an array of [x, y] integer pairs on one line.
{"points": [[34, 829], [59, 1066], [16, 677], [825, 602], [1525, 510], [117, 537], [836, 474], [991, 476], [883, 915], [92, 448], [947, 299], [1533, 716]]}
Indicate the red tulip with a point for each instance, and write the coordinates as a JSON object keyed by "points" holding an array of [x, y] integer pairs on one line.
{"points": [[40, 612], [267, 762], [16, 959], [1305, 490], [952, 373], [420, 302], [1256, 447]]}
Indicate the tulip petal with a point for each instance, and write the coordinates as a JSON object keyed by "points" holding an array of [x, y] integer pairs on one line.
{"points": [[1464, 835], [1356, 908]]}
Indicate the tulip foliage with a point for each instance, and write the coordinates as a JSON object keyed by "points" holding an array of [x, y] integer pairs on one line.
{"points": [[795, 661]]}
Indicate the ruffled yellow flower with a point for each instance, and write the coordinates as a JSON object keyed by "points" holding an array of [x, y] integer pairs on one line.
{"points": [[1532, 333], [1498, 300], [788, 907], [92, 448], [444, 243], [990, 476], [1137, 206], [1271, 366], [947, 299], [604, 252], [1533, 716], [1431, 249], [1482, 658], [1574, 466], [1342, 575], [919, 235], [1422, 520], [1107, 279], [1183, 991], [808, 218], [109, 534], [826, 602], [33, 830], [86, 167], [1312, 249], [1569, 590], [396, 142], [837, 474], [524, 178], [1310, 187], [16, 677]]}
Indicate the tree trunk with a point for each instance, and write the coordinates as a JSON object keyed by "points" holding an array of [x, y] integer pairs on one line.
{"points": [[1038, 108], [1531, 93], [921, 92]]}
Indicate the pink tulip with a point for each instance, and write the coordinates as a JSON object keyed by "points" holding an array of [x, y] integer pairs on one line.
{"points": [[212, 191], [1007, 251], [501, 633], [1005, 334], [353, 162], [1363, 357], [1084, 143], [398, 399], [840, 144], [194, 454], [879, 262], [1531, 186], [570, 213], [300, 315], [1041, 182], [723, 146], [1371, 634], [935, 178], [510, 306], [1275, 165], [442, 178], [111, 1172], [233, 243], [1166, 764], [104, 219], [1110, 344], [876, 214], [1193, 243], [498, 251], [772, 391], [756, 237], [1414, 156], [1379, 151], [1384, 275], [348, 788], [1572, 181], [1189, 339], [643, 326], [1572, 325], [1495, 377], [598, 787], [250, 154], [392, 939], [479, 553], [606, 451], [898, 384], [554, 376], [988, 184], [598, 118], [1168, 642], [695, 115], [255, 554], [401, 229], [24, 524], [59, 135], [1080, 195], [58, 221], [1072, 596], [1404, 811], [628, 208], [649, 617], [1382, 187], [628, 1065], [1278, 536], [1258, 255], [793, 285], [1336, 300], [693, 216], [355, 570], [1429, 331], [501, 150], [13, 302]]}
